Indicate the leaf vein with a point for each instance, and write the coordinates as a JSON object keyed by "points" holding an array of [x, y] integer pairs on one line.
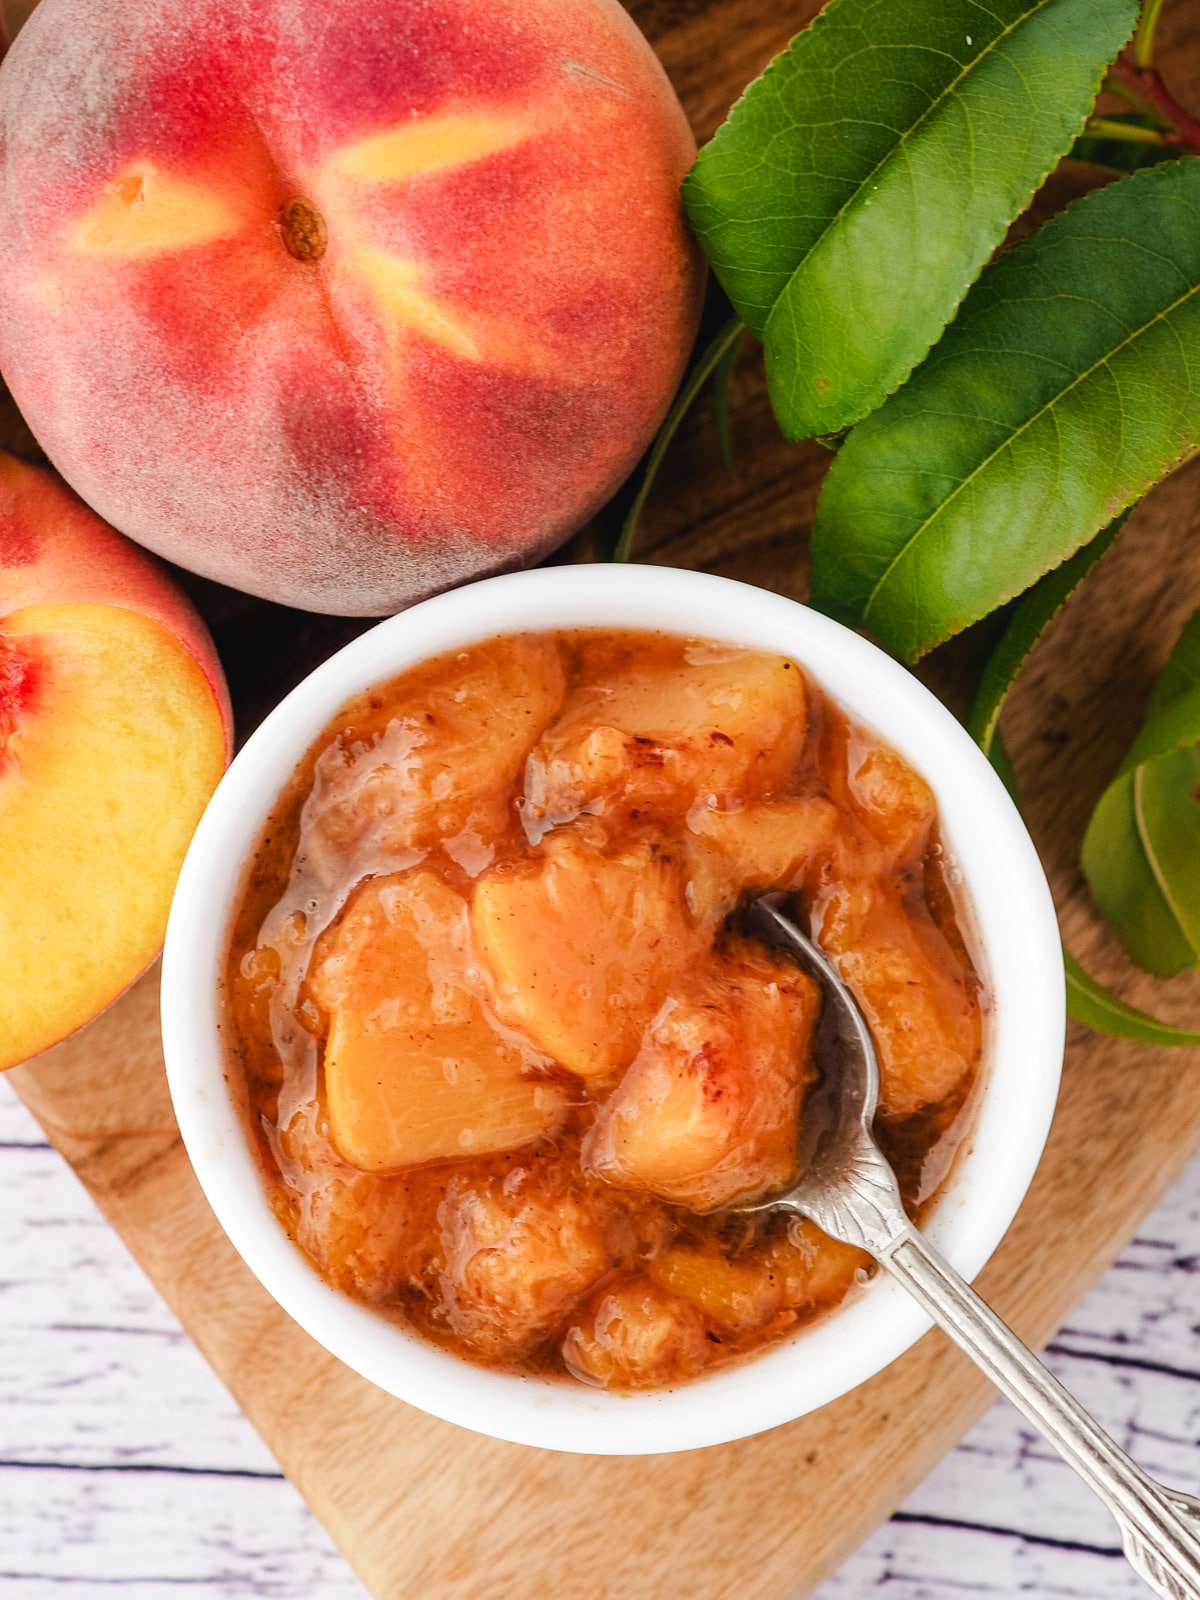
{"points": [[1007, 444]]}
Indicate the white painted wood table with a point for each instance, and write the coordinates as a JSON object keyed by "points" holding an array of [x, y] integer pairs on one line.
{"points": [[126, 1469]]}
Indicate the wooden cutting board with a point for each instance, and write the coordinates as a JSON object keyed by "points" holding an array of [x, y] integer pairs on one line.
{"points": [[423, 1509]]}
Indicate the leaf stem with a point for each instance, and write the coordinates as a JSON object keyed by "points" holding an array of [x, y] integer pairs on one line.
{"points": [[1128, 132], [1132, 97], [1142, 48], [1148, 82], [706, 364]]}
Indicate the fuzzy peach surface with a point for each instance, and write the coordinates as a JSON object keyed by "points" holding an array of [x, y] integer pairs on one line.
{"points": [[342, 302]]}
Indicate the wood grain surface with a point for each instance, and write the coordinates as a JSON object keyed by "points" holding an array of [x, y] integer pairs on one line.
{"points": [[421, 1508]]}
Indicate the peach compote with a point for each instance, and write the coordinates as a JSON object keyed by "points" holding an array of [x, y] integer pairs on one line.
{"points": [[507, 1057]]}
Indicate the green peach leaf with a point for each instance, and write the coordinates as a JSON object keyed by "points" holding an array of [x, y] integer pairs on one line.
{"points": [[861, 183], [1091, 1003], [1066, 387], [1141, 851], [1031, 615], [1120, 873], [1182, 672]]}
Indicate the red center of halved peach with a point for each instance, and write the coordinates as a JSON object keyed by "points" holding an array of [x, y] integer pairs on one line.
{"points": [[18, 687]]}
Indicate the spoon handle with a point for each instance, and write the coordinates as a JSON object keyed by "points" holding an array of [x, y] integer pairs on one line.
{"points": [[1160, 1529]]}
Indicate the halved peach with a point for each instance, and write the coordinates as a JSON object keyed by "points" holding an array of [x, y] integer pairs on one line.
{"points": [[582, 945], [114, 730], [662, 737], [709, 1111], [414, 1071]]}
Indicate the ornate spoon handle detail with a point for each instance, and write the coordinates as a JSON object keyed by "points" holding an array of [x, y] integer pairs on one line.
{"points": [[1160, 1529]]}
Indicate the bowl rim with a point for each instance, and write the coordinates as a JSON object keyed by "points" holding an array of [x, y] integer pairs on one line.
{"points": [[1016, 935]]}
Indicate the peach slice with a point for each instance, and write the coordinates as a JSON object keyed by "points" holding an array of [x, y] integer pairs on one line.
{"points": [[414, 1071], [738, 1296], [664, 737], [802, 1272], [114, 729], [582, 947], [895, 802], [443, 778], [367, 1233], [709, 1111]]}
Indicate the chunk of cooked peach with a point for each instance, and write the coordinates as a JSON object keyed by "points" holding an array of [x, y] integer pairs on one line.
{"points": [[519, 1249], [768, 844], [636, 1335], [894, 801], [582, 945], [914, 991], [414, 1071], [738, 1296], [799, 1273], [445, 775], [816, 1270], [658, 737], [708, 1113], [368, 1235]]}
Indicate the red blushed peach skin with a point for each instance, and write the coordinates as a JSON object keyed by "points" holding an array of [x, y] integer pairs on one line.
{"points": [[114, 729], [343, 301]]}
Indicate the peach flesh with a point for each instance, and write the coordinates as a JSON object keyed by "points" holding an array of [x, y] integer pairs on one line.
{"points": [[114, 729], [343, 303]]}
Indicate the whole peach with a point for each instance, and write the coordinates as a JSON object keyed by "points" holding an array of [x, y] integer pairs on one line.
{"points": [[342, 301]]}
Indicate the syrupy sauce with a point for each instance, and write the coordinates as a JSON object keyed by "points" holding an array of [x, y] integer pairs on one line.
{"points": [[481, 766]]}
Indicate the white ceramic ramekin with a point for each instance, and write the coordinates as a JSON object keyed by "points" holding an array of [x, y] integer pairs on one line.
{"points": [[1017, 941]]}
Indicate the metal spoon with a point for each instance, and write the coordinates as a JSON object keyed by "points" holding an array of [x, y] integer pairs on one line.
{"points": [[849, 1190]]}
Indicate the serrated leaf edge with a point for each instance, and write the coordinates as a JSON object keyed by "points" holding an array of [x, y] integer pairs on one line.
{"points": [[977, 269], [1113, 507]]}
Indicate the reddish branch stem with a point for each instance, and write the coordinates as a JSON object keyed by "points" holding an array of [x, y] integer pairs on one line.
{"points": [[1146, 81]]}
